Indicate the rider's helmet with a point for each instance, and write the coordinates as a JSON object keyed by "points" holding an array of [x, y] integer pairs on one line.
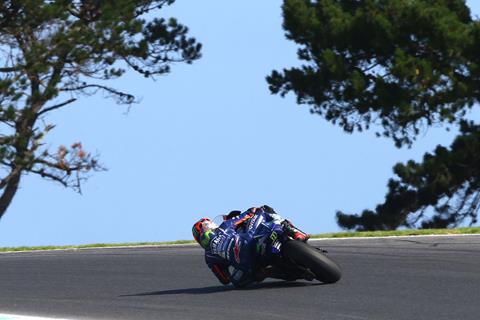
{"points": [[203, 230]]}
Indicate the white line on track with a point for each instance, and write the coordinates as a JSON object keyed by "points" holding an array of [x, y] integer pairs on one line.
{"points": [[18, 317]]}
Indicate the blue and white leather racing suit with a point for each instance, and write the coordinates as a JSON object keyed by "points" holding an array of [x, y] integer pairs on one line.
{"points": [[231, 250]]}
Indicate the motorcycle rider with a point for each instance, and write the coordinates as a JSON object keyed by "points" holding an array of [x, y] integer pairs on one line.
{"points": [[228, 249]]}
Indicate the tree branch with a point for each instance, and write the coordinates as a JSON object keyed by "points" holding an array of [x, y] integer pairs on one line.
{"points": [[67, 172], [6, 180], [57, 106], [50, 176], [123, 97], [9, 69], [10, 189]]}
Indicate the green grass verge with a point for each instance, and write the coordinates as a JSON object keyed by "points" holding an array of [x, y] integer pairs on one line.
{"points": [[94, 245], [364, 234]]}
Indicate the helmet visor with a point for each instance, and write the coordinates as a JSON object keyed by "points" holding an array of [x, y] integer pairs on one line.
{"points": [[208, 225], [206, 232]]}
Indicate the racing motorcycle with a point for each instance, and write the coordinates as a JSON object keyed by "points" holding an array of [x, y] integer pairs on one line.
{"points": [[272, 247]]}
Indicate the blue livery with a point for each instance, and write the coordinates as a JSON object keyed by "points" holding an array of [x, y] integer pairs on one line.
{"points": [[241, 244]]}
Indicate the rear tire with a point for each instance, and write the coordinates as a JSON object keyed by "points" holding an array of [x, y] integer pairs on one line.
{"points": [[325, 269]]}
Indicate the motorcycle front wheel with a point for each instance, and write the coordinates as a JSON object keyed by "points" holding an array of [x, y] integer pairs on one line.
{"points": [[325, 269]]}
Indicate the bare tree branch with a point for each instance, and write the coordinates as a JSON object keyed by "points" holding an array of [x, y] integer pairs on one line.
{"points": [[56, 106], [50, 176], [122, 96], [9, 69]]}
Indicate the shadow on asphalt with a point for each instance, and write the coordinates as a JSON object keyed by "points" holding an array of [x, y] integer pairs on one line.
{"points": [[214, 289]]}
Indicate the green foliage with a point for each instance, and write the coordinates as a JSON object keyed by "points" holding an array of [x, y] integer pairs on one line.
{"points": [[404, 65], [447, 180], [56, 51]]}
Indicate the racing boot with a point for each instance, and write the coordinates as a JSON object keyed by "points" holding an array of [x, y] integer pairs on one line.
{"points": [[294, 232], [295, 274], [309, 275]]}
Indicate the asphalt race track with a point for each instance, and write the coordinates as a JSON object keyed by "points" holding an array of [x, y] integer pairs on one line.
{"points": [[397, 278]]}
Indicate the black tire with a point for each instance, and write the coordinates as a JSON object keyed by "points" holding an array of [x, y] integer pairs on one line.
{"points": [[325, 270]]}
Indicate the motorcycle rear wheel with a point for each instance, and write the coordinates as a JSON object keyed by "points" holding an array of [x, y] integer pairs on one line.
{"points": [[325, 269]]}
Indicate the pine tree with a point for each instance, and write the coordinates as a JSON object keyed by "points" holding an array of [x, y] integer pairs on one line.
{"points": [[398, 66]]}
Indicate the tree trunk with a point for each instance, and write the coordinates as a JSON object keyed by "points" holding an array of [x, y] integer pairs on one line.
{"points": [[9, 192]]}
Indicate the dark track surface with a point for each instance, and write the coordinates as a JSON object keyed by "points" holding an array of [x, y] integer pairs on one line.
{"points": [[402, 278]]}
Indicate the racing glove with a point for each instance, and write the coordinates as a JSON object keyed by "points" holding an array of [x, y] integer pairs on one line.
{"points": [[294, 232]]}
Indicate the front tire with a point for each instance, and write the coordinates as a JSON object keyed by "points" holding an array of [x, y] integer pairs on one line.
{"points": [[325, 269]]}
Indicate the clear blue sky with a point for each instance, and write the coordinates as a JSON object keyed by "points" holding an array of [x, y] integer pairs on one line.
{"points": [[207, 138]]}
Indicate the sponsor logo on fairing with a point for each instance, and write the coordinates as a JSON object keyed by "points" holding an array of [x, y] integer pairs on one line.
{"points": [[252, 222], [274, 236], [230, 244], [236, 250], [217, 245], [276, 246]]}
